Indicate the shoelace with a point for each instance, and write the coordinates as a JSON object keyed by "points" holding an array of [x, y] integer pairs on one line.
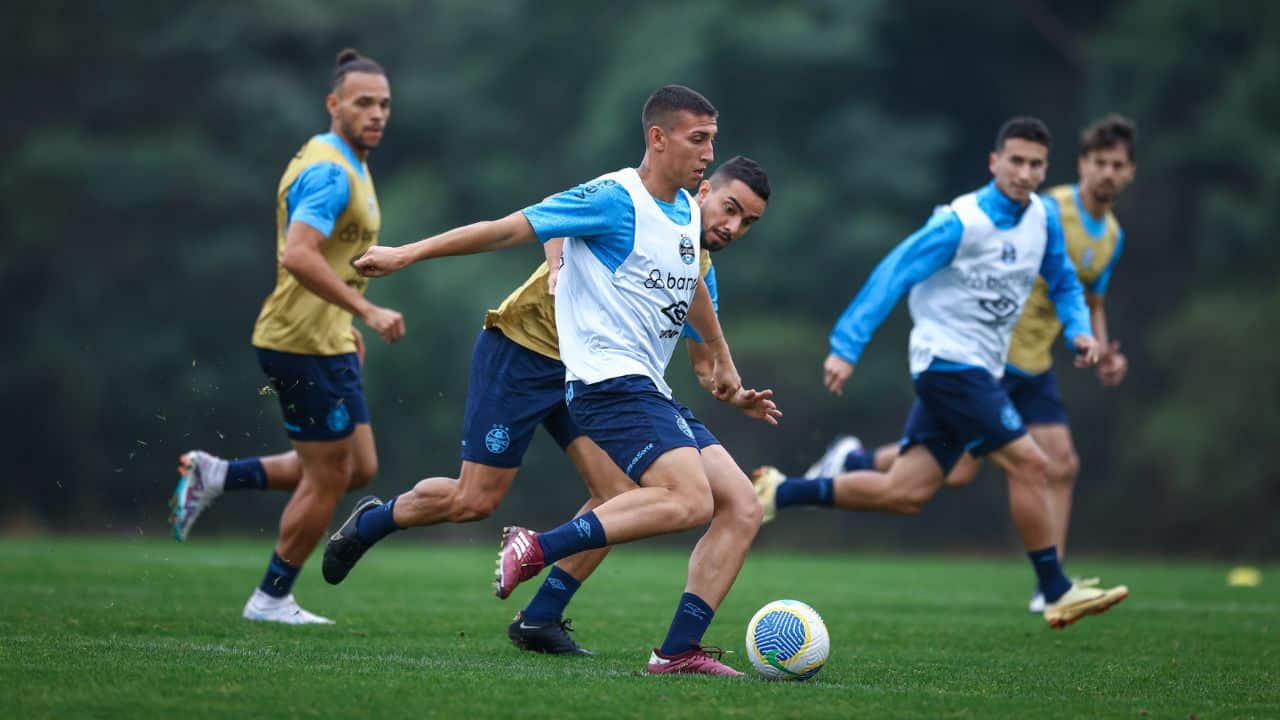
{"points": [[711, 651], [565, 625]]}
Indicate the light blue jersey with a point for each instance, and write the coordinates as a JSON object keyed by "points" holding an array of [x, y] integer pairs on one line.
{"points": [[969, 271], [630, 271]]}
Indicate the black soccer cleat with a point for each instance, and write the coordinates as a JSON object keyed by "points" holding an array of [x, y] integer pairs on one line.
{"points": [[550, 636], [345, 547]]}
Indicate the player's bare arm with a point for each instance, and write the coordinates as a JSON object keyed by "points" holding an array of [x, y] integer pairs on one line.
{"points": [[481, 237], [753, 403], [303, 259], [702, 316], [1112, 364], [554, 251]]}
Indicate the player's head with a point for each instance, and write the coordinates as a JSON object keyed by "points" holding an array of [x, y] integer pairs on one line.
{"points": [[1107, 158], [732, 200], [1021, 157], [360, 102], [679, 129]]}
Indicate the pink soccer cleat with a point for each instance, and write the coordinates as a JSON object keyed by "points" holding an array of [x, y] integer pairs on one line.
{"points": [[698, 661], [519, 559]]}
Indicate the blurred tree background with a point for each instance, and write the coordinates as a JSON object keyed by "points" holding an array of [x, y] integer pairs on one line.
{"points": [[142, 149]]}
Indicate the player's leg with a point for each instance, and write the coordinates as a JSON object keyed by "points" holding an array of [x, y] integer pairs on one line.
{"points": [[511, 390], [326, 418], [645, 435], [541, 626], [204, 477], [713, 567], [1064, 468]]}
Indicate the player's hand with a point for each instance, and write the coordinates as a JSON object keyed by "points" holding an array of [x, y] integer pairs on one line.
{"points": [[757, 404], [836, 371], [379, 261], [388, 323], [1087, 351], [1113, 366], [359, 338], [725, 381]]}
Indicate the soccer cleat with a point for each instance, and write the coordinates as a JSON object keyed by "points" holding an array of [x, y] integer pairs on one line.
{"points": [[1036, 606], [346, 547], [201, 482], [262, 607], [698, 661], [831, 463], [550, 636], [519, 559], [766, 480], [1081, 600]]}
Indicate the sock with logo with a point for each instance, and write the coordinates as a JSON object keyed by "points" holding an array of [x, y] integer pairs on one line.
{"points": [[581, 533], [1053, 582], [278, 582], [799, 491], [556, 592], [245, 475], [693, 616], [377, 522], [860, 459]]}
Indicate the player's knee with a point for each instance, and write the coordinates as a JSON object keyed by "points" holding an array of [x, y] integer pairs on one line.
{"points": [[473, 507], [1032, 468], [911, 498], [363, 473], [693, 507], [1066, 467]]}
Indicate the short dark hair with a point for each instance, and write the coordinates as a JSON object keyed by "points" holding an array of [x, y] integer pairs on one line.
{"points": [[745, 170], [1109, 132], [1024, 127], [350, 60], [668, 100]]}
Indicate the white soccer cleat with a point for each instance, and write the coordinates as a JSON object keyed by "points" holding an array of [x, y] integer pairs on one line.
{"points": [[831, 463], [1036, 606], [261, 607], [202, 478]]}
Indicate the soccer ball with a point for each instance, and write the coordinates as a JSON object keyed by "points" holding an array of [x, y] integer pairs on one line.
{"points": [[787, 640]]}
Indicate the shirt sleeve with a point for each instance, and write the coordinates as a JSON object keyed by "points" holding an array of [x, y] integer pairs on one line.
{"points": [[1099, 286], [924, 253], [318, 196], [586, 211], [1064, 284], [710, 279]]}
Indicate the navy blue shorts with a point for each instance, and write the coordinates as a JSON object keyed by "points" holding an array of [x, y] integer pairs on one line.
{"points": [[320, 395], [633, 422], [512, 390], [959, 411], [1035, 396]]}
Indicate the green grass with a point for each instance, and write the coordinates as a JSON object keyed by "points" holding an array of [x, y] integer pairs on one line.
{"points": [[144, 628]]}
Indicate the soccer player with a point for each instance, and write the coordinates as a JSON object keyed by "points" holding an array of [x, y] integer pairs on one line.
{"points": [[970, 270], [1094, 240], [517, 383], [629, 283], [326, 215]]}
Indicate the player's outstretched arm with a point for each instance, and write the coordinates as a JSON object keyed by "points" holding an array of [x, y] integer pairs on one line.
{"points": [[485, 236], [1113, 365], [303, 259]]}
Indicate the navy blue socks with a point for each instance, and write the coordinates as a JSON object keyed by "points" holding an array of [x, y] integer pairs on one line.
{"points": [[377, 522], [799, 491], [860, 459], [278, 582], [582, 533], [556, 592], [245, 475], [693, 616], [1053, 582]]}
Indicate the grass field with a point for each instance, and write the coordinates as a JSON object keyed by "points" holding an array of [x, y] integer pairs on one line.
{"points": [[146, 628]]}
